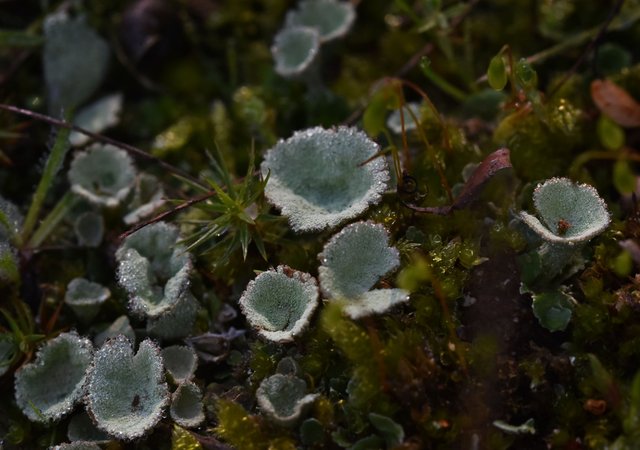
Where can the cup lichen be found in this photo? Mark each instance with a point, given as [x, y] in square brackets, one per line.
[49, 387]
[320, 178]
[126, 391]
[279, 303]
[154, 269]
[352, 262]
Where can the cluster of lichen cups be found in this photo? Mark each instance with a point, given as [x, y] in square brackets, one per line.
[297, 46]
[571, 214]
[125, 393]
[319, 179]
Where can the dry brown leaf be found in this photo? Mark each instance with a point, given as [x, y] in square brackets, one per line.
[616, 103]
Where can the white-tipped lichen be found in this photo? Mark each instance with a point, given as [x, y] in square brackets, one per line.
[104, 175]
[320, 178]
[180, 362]
[126, 392]
[85, 297]
[352, 262]
[295, 49]
[153, 269]
[333, 19]
[279, 303]
[48, 388]
[186, 405]
[570, 213]
[284, 399]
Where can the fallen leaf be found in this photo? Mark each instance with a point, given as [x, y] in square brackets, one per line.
[616, 103]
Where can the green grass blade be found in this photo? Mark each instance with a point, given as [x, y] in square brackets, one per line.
[52, 219]
[56, 158]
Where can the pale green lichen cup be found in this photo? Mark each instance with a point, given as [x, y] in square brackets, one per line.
[279, 303]
[320, 178]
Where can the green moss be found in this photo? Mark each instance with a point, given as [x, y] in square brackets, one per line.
[536, 153]
[195, 78]
[365, 385]
[264, 358]
[238, 427]
[182, 439]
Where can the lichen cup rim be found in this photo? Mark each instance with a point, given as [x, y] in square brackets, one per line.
[320, 178]
[283, 39]
[339, 250]
[338, 30]
[76, 346]
[104, 384]
[139, 255]
[586, 214]
[265, 399]
[123, 178]
[255, 300]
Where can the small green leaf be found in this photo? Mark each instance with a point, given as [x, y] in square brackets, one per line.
[312, 432]
[497, 73]
[552, 309]
[375, 116]
[392, 432]
[623, 177]
[526, 75]
[610, 134]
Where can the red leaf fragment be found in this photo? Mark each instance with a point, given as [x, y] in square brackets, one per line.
[616, 103]
[492, 164]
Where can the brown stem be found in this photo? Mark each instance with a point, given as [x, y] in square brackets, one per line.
[589, 48]
[99, 137]
[170, 212]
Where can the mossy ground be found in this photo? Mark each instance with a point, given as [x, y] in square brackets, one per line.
[465, 362]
